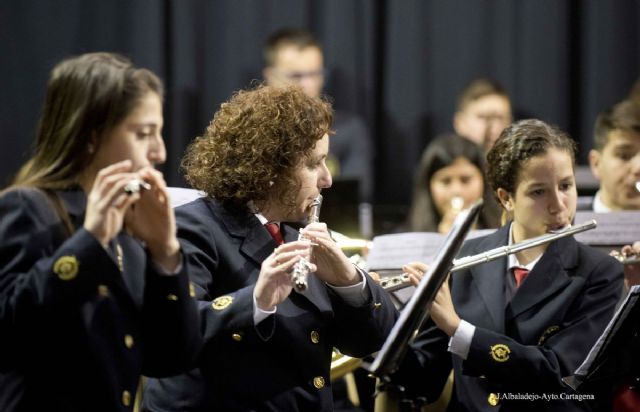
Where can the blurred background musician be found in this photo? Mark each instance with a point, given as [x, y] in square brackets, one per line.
[295, 56]
[615, 157]
[262, 161]
[449, 178]
[483, 111]
[615, 162]
[92, 289]
[518, 324]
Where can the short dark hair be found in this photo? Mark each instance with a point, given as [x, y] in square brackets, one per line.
[477, 89]
[442, 152]
[517, 144]
[624, 115]
[299, 38]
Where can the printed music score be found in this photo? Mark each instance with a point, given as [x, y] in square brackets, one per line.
[614, 228]
[395, 250]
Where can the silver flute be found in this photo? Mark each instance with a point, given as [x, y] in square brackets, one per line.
[302, 267]
[401, 281]
[135, 186]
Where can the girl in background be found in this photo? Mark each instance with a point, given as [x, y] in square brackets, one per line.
[450, 177]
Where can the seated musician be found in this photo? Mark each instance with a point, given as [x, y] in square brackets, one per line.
[448, 179]
[615, 161]
[511, 329]
[267, 347]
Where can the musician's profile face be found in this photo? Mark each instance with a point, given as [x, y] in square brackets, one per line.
[138, 137]
[617, 167]
[313, 175]
[545, 195]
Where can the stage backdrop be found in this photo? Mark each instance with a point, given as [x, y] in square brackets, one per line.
[398, 63]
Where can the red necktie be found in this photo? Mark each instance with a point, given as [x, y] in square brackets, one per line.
[520, 274]
[274, 231]
[626, 398]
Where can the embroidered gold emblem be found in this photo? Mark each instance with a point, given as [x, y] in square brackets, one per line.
[66, 267]
[500, 352]
[222, 302]
[192, 290]
[551, 330]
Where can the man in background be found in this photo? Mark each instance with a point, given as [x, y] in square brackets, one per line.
[483, 112]
[615, 157]
[295, 56]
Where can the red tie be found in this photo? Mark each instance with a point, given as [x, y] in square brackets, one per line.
[274, 231]
[520, 274]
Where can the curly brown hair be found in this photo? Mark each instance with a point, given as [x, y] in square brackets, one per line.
[254, 143]
[516, 145]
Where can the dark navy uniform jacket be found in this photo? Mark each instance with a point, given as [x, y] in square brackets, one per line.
[75, 331]
[523, 348]
[283, 363]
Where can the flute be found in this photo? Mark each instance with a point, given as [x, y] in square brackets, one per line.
[301, 269]
[401, 281]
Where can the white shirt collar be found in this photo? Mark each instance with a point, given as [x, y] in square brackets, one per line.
[264, 220]
[512, 260]
[598, 206]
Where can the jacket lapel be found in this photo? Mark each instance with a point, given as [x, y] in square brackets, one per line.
[548, 276]
[488, 277]
[131, 280]
[257, 243]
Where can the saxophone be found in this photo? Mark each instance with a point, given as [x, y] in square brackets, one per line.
[301, 268]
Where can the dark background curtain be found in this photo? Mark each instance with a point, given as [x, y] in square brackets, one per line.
[398, 63]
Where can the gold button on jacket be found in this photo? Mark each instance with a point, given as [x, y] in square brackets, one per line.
[318, 382]
[128, 341]
[315, 336]
[126, 398]
[493, 399]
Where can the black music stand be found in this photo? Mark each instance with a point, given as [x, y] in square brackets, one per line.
[614, 354]
[416, 310]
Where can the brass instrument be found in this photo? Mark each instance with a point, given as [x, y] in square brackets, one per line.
[342, 365]
[301, 269]
[397, 280]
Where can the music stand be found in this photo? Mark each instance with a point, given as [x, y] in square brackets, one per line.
[613, 353]
[417, 308]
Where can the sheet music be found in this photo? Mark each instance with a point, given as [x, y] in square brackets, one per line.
[610, 331]
[395, 250]
[614, 228]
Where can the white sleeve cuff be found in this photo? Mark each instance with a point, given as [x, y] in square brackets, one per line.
[460, 342]
[354, 295]
[163, 272]
[258, 314]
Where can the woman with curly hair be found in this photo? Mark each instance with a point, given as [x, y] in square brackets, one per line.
[267, 347]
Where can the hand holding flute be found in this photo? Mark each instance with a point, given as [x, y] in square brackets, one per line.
[629, 256]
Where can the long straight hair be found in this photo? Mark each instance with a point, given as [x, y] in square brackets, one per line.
[443, 152]
[87, 96]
